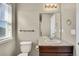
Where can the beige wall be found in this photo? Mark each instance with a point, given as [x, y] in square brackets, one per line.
[77, 29]
[68, 12]
[28, 19]
[7, 48]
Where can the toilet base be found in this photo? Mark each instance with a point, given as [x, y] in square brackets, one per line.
[23, 54]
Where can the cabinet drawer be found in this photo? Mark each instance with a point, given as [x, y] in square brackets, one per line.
[56, 48]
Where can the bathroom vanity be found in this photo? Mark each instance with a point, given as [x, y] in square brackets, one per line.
[48, 47]
[52, 48]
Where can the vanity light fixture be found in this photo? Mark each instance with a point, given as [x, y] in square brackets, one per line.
[50, 5]
[54, 7]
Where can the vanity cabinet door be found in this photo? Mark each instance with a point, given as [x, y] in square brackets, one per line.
[55, 50]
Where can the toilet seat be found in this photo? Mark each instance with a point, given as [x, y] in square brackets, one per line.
[23, 54]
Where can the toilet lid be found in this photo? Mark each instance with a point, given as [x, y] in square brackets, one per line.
[23, 54]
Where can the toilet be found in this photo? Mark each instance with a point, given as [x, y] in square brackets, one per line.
[25, 48]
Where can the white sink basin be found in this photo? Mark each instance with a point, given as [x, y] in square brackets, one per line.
[54, 41]
[48, 40]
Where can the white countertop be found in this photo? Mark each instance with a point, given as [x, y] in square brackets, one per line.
[55, 42]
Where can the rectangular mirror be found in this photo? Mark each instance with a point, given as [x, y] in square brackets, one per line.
[50, 25]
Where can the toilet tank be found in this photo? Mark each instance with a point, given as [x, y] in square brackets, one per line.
[25, 46]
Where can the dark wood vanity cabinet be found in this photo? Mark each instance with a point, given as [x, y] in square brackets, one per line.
[56, 50]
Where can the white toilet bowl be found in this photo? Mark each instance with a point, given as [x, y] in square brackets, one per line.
[25, 48]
